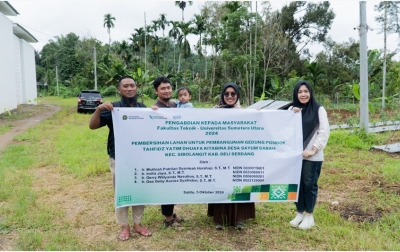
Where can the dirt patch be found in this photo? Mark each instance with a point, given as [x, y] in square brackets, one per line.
[356, 213]
[339, 116]
[22, 118]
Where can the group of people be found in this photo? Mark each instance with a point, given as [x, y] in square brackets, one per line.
[315, 128]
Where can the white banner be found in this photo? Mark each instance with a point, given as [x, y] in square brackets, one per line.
[189, 156]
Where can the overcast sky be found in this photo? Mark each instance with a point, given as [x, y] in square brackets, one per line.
[45, 19]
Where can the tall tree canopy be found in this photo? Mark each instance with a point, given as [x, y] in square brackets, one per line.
[313, 26]
[108, 22]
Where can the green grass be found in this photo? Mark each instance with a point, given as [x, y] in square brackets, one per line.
[5, 128]
[56, 194]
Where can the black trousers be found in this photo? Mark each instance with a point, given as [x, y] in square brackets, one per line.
[167, 210]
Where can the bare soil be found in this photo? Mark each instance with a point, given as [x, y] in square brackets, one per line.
[339, 116]
[22, 118]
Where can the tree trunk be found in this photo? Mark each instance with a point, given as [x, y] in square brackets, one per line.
[255, 52]
[251, 91]
[213, 73]
[205, 58]
[174, 55]
[179, 66]
[109, 41]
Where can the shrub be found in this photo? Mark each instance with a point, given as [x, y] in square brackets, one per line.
[109, 91]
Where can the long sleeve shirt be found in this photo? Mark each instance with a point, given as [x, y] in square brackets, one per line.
[320, 137]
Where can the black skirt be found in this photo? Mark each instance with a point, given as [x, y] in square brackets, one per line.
[228, 214]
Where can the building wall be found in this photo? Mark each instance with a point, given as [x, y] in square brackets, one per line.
[17, 69]
[28, 70]
[8, 100]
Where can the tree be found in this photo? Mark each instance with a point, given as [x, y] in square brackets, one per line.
[114, 72]
[182, 6]
[390, 24]
[108, 22]
[200, 27]
[134, 46]
[155, 49]
[174, 33]
[68, 62]
[273, 48]
[155, 26]
[313, 26]
[124, 52]
[183, 42]
[213, 12]
[163, 23]
[315, 72]
[138, 41]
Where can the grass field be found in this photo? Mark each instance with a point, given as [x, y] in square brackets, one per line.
[56, 194]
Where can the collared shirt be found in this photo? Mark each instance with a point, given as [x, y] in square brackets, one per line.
[162, 105]
[106, 119]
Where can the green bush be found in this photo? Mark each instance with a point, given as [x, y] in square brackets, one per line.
[148, 91]
[109, 91]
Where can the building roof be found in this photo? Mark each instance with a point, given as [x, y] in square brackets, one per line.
[7, 9]
[270, 105]
[21, 33]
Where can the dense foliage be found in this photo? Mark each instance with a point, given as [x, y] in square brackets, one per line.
[263, 51]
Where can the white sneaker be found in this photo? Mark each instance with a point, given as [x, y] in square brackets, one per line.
[307, 222]
[296, 221]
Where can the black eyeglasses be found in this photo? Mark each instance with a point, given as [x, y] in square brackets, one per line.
[233, 94]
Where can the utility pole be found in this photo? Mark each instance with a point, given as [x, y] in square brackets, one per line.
[364, 119]
[145, 42]
[384, 56]
[95, 72]
[58, 92]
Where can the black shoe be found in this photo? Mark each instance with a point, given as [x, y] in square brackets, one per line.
[219, 226]
[239, 225]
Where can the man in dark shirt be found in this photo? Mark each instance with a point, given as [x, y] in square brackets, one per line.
[163, 89]
[101, 117]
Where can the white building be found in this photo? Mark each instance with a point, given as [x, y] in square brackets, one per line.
[17, 62]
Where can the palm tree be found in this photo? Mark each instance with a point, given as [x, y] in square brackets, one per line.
[163, 22]
[316, 71]
[135, 45]
[182, 6]
[155, 26]
[155, 49]
[174, 33]
[200, 27]
[148, 31]
[184, 44]
[108, 22]
[138, 40]
[123, 52]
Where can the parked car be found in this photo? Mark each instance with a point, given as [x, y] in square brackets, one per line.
[88, 100]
